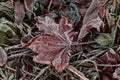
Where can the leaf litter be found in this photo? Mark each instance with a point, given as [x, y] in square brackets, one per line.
[59, 39]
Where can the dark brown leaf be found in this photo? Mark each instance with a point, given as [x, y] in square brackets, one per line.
[44, 2]
[47, 25]
[105, 77]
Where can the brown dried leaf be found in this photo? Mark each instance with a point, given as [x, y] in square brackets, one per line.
[92, 19]
[3, 57]
[53, 44]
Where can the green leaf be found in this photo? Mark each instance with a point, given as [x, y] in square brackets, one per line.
[104, 39]
[6, 9]
[112, 19]
[7, 28]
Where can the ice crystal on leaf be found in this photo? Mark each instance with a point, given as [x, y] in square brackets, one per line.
[92, 18]
[54, 42]
[3, 56]
[19, 14]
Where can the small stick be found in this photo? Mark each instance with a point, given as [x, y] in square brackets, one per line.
[41, 72]
[75, 71]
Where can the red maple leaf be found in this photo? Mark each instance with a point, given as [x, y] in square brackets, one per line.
[92, 18]
[53, 44]
[110, 58]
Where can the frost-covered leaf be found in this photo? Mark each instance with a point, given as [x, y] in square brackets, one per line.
[116, 74]
[6, 10]
[47, 25]
[104, 39]
[92, 19]
[6, 28]
[109, 58]
[3, 56]
[110, 19]
[6, 25]
[19, 14]
[53, 44]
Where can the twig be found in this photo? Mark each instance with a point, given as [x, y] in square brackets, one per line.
[49, 5]
[18, 51]
[1, 44]
[82, 43]
[75, 71]
[41, 72]
[10, 68]
[12, 47]
[18, 55]
[76, 43]
[93, 57]
[115, 65]
[87, 60]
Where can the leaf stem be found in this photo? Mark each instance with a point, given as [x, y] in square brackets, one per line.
[82, 43]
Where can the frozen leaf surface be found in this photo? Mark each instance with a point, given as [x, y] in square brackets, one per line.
[3, 57]
[110, 58]
[53, 44]
[19, 14]
[104, 40]
[92, 19]
[116, 74]
[47, 25]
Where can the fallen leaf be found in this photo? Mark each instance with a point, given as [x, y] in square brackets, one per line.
[53, 44]
[109, 58]
[91, 19]
[46, 25]
[105, 77]
[104, 40]
[19, 14]
[3, 56]
[7, 28]
[116, 74]
[6, 9]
